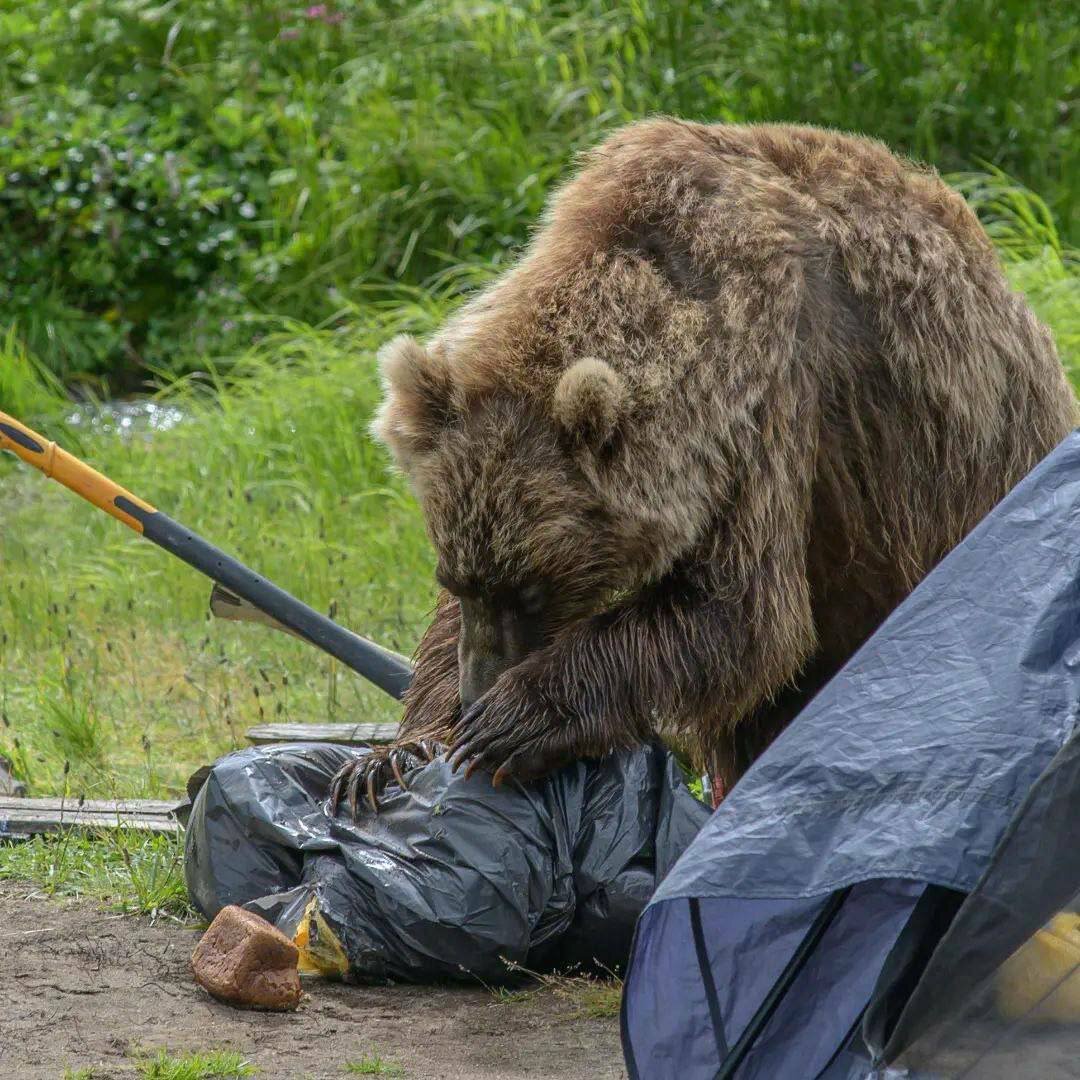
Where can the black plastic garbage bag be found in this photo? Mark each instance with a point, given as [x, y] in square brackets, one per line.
[452, 878]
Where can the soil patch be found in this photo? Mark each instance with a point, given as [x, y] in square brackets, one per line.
[80, 987]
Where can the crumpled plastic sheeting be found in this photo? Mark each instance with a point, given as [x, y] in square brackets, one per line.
[452, 877]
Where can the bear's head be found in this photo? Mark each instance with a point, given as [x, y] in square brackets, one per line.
[511, 488]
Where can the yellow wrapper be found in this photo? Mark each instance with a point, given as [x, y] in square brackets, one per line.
[321, 952]
[1044, 974]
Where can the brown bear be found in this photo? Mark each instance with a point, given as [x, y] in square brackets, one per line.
[744, 389]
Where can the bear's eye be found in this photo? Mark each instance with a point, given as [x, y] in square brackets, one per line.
[452, 585]
[532, 598]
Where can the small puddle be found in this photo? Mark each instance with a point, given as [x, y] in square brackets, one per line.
[126, 418]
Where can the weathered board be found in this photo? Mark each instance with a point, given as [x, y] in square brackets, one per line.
[20, 817]
[350, 734]
[25, 817]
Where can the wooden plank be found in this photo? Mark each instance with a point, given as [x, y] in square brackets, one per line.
[348, 734]
[154, 807]
[21, 817]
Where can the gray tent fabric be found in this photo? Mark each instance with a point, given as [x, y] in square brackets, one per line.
[901, 776]
[950, 1023]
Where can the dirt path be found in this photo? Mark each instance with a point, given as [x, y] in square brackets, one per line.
[82, 988]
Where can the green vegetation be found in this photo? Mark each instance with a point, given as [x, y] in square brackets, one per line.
[504, 995]
[214, 1065]
[129, 871]
[1038, 261]
[597, 999]
[587, 996]
[171, 173]
[374, 1065]
[106, 655]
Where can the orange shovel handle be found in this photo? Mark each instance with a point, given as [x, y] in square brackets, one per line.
[58, 464]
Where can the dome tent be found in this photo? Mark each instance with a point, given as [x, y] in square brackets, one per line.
[855, 907]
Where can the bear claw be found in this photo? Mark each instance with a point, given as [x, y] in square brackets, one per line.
[495, 734]
[371, 772]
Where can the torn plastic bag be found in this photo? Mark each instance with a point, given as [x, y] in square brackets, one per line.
[452, 878]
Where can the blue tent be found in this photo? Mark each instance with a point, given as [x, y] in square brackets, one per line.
[853, 908]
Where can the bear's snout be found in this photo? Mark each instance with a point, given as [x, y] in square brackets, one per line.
[493, 639]
[477, 677]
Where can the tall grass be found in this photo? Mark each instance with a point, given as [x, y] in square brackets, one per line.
[107, 660]
[335, 149]
[131, 872]
[1038, 261]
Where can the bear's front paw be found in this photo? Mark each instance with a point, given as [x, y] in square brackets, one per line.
[512, 731]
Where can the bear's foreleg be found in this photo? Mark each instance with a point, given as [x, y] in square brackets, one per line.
[678, 652]
[432, 703]
[431, 708]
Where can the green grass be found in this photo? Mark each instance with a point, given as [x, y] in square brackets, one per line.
[212, 1065]
[126, 870]
[1039, 262]
[292, 163]
[504, 995]
[374, 1065]
[596, 999]
[588, 996]
[108, 665]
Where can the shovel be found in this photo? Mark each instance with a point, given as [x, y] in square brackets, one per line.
[239, 593]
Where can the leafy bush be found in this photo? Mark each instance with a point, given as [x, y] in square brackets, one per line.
[166, 170]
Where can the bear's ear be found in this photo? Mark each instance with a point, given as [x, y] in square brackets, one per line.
[417, 402]
[590, 399]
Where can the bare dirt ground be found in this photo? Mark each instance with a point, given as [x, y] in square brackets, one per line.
[79, 987]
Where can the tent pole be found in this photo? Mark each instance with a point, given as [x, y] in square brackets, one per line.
[782, 985]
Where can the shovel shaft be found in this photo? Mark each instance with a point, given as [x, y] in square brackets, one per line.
[387, 670]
